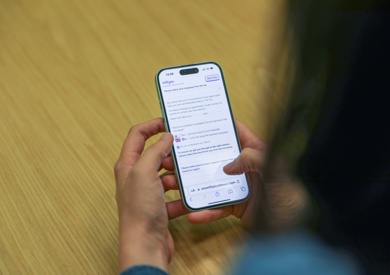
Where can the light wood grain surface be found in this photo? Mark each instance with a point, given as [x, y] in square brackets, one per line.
[75, 75]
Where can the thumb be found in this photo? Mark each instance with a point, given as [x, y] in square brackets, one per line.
[250, 160]
[154, 155]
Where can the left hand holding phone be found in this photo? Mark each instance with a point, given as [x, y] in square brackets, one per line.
[143, 217]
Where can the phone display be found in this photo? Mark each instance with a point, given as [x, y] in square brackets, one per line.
[196, 110]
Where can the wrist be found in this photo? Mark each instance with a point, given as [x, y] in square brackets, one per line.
[140, 246]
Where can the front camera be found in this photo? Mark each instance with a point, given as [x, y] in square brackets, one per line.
[189, 71]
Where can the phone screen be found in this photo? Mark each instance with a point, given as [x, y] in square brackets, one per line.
[196, 111]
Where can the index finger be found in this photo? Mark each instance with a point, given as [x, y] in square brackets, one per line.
[135, 142]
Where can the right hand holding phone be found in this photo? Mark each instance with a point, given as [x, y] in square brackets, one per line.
[288, 198]
[250, 161]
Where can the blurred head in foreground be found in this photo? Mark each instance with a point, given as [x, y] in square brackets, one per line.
[333, 133]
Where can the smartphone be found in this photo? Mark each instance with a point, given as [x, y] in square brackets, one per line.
[196, 110]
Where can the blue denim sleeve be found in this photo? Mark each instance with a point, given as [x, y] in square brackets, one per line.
[143, 270]
[294, 253]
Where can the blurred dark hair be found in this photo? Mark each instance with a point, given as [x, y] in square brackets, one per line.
[333, 133]
[321, 36]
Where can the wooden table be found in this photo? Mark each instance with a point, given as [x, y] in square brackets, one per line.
[75, 75]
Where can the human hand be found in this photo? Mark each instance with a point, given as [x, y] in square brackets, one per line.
[286, 198]
[143, 217]
[250, 161]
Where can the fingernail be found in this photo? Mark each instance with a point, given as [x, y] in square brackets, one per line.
[165, 136]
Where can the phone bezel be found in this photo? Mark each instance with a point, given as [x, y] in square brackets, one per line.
[165, 118]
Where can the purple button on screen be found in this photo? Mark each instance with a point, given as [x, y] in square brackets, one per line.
[213, 77]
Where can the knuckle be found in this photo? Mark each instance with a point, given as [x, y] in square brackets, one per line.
[134, 128]
[245, 155]
[251, 159]
[118, 168]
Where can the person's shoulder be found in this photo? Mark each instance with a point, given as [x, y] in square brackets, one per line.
[295, 252]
